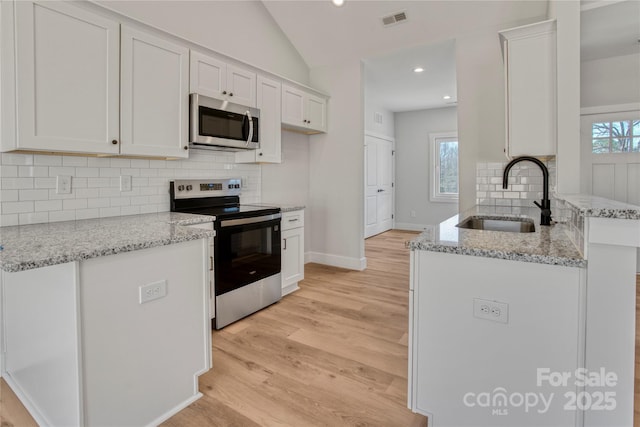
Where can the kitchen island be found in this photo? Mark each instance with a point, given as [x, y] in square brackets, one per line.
[105, 321]
[504, 326]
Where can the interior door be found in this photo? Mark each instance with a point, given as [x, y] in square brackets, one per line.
[378, 185]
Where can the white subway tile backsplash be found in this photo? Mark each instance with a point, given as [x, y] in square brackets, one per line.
[48, 205]
[11, 219]
[17, 159]
[8, 171]
[74, 161]
[33, 217]
[9, 195]
[62, 216]
[33, 171]
[28, 184]
[16, 183]
[42, 160]
[41, 194]
[17, 207]
[525, 186]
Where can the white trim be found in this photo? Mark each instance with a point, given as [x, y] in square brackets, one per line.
[350, 263]
[434, 195]
[606, 109]
[179, 407]
[380, 136]
[596, 4]
[27, 402]
[413, 227]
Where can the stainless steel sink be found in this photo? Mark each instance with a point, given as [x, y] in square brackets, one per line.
[513, 225]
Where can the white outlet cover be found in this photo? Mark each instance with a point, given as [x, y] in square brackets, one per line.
[496, 311]
[125, 182]
[63, 184]
[153, 291]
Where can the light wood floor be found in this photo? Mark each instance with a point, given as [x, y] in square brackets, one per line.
[333, 353]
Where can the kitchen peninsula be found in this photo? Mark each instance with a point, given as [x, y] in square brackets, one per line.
[493, 313]
[105, 321]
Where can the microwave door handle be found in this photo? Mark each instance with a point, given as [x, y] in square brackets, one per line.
[250, 137]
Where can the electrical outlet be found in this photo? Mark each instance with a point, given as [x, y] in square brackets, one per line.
[125, 182]
[63, 184]
[491, 310]
[153, 291]
[412, 214]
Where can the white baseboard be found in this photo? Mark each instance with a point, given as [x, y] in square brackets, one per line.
[412, 227]
[336, 260]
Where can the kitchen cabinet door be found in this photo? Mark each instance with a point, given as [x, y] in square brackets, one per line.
[302, 111]
[292, 250]
[316, 113]
[270, 104]
[530, 82]
[155, 96]
[67, 76]
[215, 78]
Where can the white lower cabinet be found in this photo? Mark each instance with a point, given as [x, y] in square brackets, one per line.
[82, 349]
[292, 250]
[469, 370]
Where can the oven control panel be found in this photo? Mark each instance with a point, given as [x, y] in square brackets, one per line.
[193, 188]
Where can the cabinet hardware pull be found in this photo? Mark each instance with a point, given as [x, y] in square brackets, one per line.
[230, 93]
[285, 245]
[114, 142]
[186, 147]
[224, 92]
[210, 263]
[293, 219]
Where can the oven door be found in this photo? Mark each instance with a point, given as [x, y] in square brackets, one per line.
[247, 250]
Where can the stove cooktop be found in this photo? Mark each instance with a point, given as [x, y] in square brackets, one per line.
[218, 197]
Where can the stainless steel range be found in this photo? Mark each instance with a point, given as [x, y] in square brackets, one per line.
[247, 253]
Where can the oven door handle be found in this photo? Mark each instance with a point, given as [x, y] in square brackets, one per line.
[252, 220]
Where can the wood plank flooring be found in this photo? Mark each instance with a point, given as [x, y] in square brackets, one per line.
[333, 353]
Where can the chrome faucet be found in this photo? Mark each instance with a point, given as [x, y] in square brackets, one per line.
[545, 203]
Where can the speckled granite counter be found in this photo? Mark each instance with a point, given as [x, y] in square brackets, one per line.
[283, 208]
[547, 245]
[39, 245]
[592, 206]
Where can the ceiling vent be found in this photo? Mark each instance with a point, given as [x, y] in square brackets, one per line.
[394, 19]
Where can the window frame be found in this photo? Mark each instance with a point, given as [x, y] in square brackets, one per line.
[610, 137]
[434, 193]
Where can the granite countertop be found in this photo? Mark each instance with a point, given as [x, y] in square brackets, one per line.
[283, 208]
[547, 245]
[599, 207]
[39, 245]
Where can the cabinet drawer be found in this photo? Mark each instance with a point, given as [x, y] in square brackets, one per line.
[293, 219]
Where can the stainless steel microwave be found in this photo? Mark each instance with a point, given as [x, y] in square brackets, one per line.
[222, 125]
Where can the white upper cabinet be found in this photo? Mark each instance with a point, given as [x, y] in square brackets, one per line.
[67, 75]
[269, 102]
[303, 111]
[155, 96]
[530, 86]
[217, 79]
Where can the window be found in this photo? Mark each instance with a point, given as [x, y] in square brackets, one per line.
[444, 167]
[615, 137]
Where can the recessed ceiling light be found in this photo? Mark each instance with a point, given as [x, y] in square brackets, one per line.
[338, 2]
[446, 97]
[418, 70]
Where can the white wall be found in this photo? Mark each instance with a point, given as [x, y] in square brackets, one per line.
[337, 170]
[610, 81]
[413, 161]
[481, 107]
[567, 15]
[243, 30]
[374, 105]
[287, 183]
